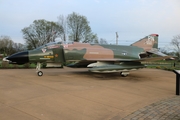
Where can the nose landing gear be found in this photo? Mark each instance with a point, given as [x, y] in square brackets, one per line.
[38, 69]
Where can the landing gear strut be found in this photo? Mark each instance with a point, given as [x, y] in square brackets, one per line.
[38, 69]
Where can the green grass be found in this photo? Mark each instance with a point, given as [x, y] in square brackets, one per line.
[14, 66]
[164, 65]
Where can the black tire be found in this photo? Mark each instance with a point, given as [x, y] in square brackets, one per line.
[123, 75]
[40, 73]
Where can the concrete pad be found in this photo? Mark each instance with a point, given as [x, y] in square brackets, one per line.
[77, 94]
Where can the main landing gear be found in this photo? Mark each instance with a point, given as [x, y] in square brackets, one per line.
[38, 69]
[124, 74]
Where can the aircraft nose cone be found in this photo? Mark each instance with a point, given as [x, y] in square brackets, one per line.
[19, 58]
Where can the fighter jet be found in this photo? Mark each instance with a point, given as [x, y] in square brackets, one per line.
[98, 58]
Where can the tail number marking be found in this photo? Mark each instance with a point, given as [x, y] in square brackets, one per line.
[150, 40]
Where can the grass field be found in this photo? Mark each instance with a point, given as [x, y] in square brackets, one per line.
[165, 65]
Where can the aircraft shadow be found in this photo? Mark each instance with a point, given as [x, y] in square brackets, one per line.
[133, 77]
[111, 76]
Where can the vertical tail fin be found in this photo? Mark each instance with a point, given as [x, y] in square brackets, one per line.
[148, 42]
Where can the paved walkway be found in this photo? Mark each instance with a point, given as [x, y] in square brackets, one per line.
[168, 109]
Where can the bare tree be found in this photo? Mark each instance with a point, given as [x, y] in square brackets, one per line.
[40, 33]
[62, 22]
[19, 47]
[90, 38]
[103, 41]
[79, 29]
[8, 47]
[176, 43]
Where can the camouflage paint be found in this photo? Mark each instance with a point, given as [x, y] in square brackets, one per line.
[43, 54]
[93, 52]
[124, 52]
[85, 51]
[103, 58]
[148, 42]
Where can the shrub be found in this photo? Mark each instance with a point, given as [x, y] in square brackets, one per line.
[4, 64]
[158, 67]
[27, 65]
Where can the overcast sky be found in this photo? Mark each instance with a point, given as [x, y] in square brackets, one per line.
[132, 19]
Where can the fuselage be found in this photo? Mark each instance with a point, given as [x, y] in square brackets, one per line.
[83, 51]
[60, 53]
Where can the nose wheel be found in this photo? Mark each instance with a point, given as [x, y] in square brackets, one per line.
[38, 69]
[40, 73]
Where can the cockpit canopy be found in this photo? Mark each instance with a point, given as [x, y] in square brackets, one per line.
[50, 45]
[53, 45]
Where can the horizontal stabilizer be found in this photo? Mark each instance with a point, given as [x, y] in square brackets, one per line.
[156, 52]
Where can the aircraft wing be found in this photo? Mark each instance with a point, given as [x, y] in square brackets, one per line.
[118, 64]
[114, 65]
[153, 58]
[155, 51]
[107, 67]
[86, 63]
